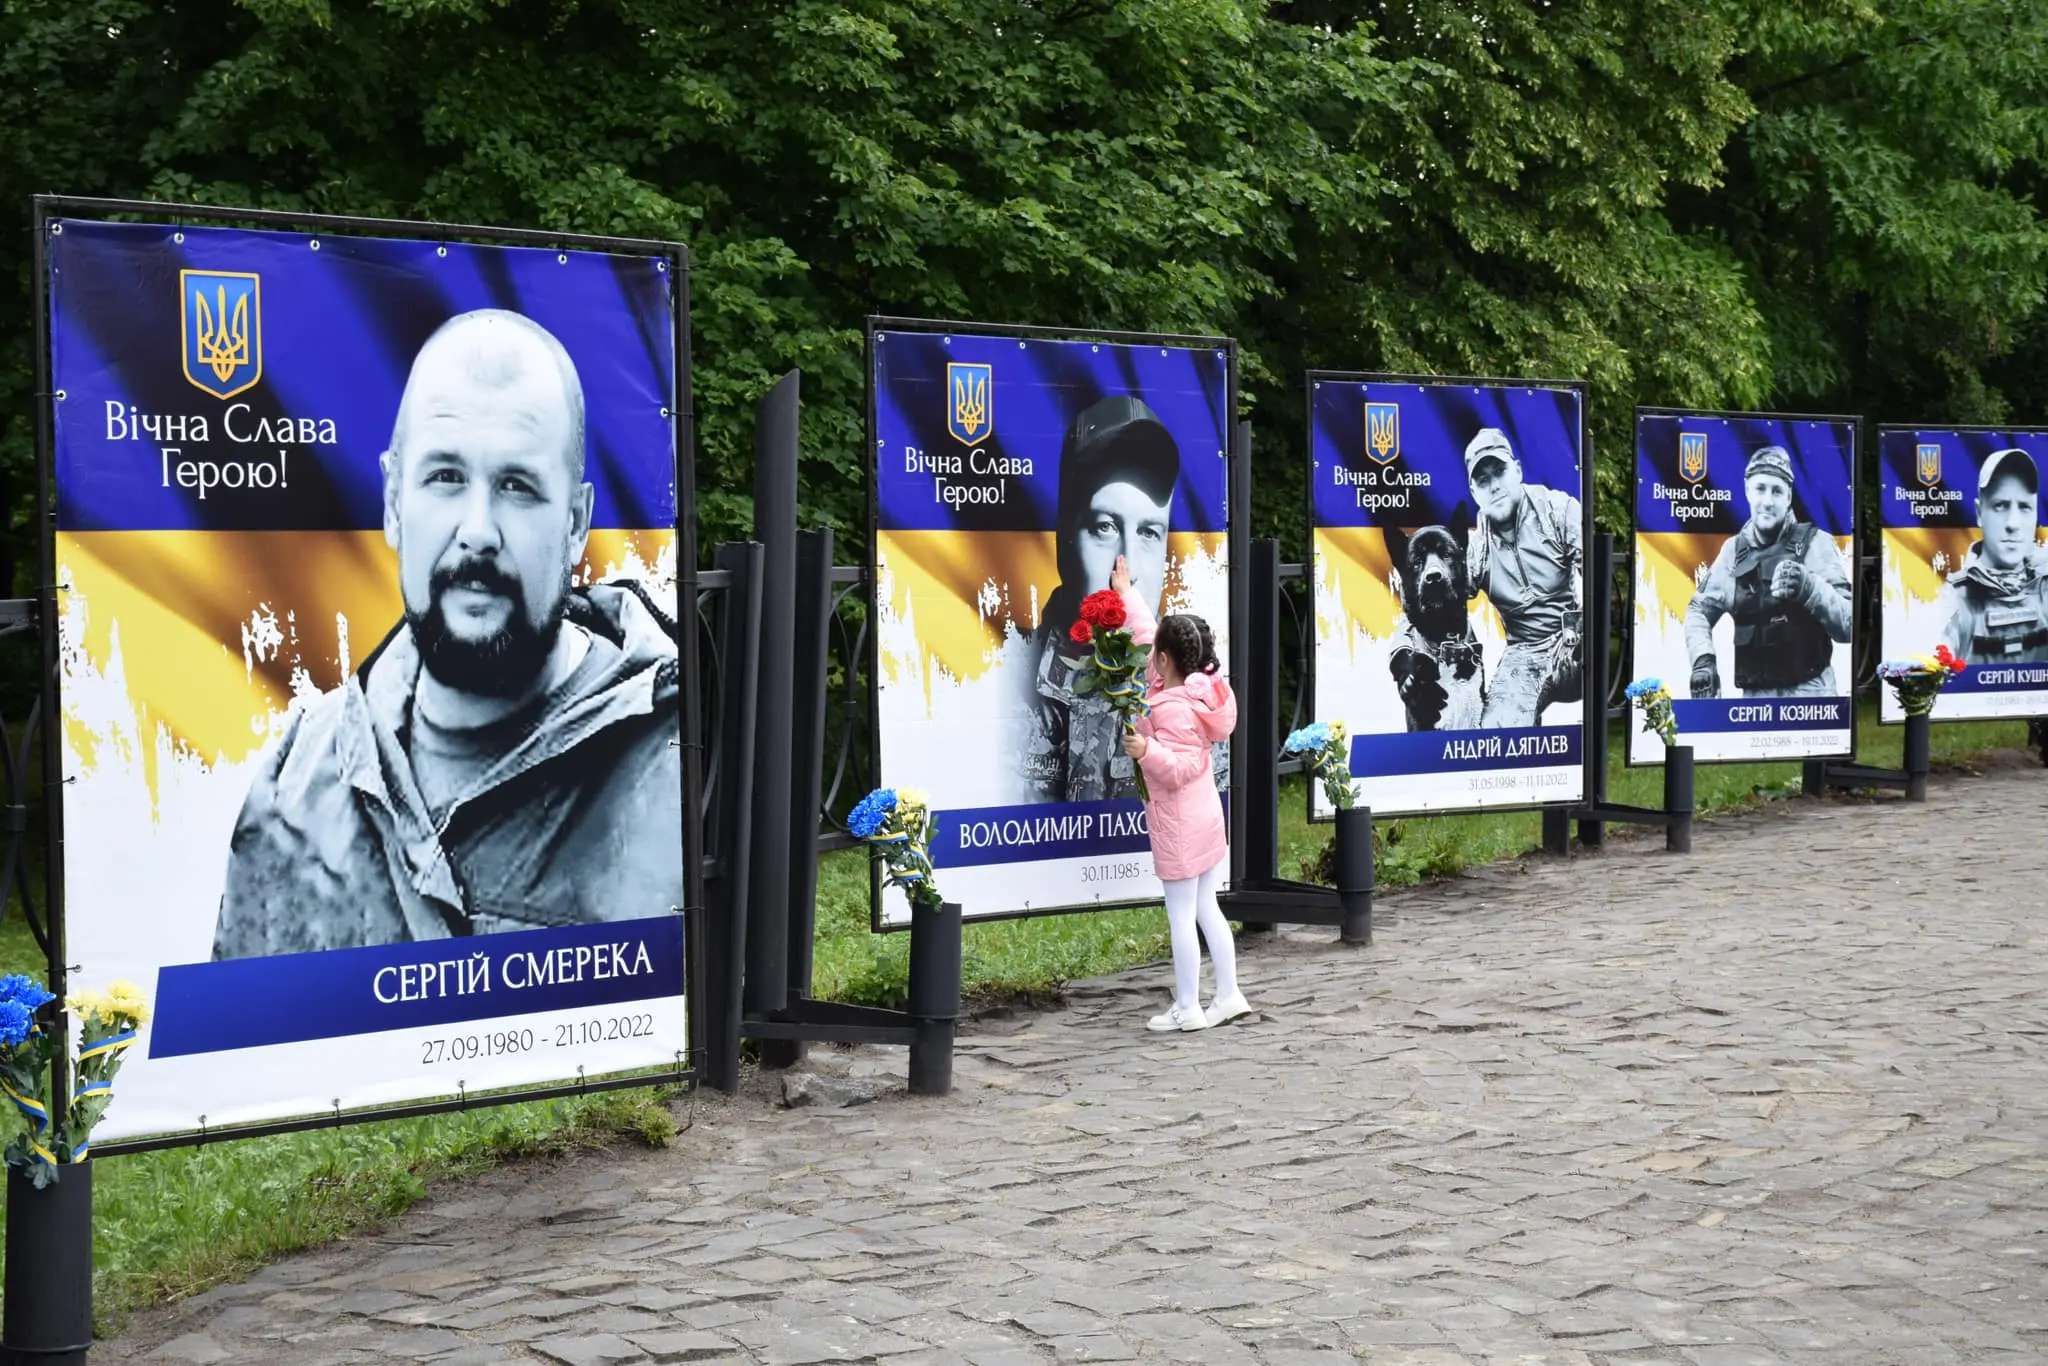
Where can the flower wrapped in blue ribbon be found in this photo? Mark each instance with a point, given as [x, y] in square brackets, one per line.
[897, 825]
[1655, 699]
[1321, 746]
[41, 1144]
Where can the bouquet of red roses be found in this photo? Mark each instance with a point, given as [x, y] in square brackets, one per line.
[1114, 669]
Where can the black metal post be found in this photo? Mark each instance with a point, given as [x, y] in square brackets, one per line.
[1597, 671]
[1245, 742]
[1919, 757]
[1557, 830]
[48, 1315]
[732, 796]
[775, 486]
[934, 1006]
[1355, 874]
[1678, 798]
[1813, 778]
[813, 635]
[1258, 781]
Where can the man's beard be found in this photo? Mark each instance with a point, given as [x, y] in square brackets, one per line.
[502, 664]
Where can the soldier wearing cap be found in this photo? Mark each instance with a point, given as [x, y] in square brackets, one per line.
[1787, 587]
[1118, 469]
[1998, 600]
[1525, 556]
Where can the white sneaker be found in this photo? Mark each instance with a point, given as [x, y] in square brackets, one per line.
[1178, 1018]
[1227, 1008]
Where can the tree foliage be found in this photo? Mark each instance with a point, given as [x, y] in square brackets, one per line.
[1716, 202]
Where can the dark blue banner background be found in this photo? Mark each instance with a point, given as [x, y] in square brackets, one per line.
[1437, 421]
[1823, 460]
[1039, 388]
[339, 327]
[1962, 455]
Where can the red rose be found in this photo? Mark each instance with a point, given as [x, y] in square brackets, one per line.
[1081, 633]
[1103, 610]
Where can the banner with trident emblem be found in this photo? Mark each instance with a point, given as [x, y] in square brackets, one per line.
[1012, 470]
[1449, 528]
[1743, 605]
[371, 698]
[1965, 564]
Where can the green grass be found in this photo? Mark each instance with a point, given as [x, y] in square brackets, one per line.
[173, 1223]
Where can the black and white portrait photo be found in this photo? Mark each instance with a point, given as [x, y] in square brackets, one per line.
[1785, 584]
[507, 758]
[1998, 597]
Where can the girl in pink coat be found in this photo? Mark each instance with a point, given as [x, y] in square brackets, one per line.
[1192, 709]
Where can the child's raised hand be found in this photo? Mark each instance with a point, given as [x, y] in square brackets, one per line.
[1120, 575]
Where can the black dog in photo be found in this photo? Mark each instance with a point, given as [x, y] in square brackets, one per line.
[1436, 659]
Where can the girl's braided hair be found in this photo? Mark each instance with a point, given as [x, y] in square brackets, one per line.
[1186, 639]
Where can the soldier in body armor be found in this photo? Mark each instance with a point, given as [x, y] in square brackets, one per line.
[1786, 585]
[1998, 600]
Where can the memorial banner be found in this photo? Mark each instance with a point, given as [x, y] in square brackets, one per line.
[1012, 471]
[1449, 540]
[369, 682]
[1963, 565]
[1744, 573]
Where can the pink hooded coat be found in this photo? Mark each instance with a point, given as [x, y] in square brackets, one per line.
[1189, 835]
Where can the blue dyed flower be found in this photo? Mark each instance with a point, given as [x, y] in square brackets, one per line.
[16, 1023]
[872, 813]
[1643, 687]
[23, 991]
[1309, 739]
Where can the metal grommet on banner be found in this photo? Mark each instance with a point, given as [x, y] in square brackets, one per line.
[56, 229]
[441, 250]
[661, 266]
[562, 259]
[314, 244]
[177, 237]
[60, 396]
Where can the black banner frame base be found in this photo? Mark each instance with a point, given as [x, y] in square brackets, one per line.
[927, 1023]
[1818, 776]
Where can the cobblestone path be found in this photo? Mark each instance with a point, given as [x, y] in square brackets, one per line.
[1784, 1100]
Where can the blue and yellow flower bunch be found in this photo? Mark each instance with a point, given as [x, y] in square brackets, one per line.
[897, 824]
[1658, 717]
[108, 1021]
[1321, 745]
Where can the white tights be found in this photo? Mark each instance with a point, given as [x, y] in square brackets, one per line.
[1190, 902]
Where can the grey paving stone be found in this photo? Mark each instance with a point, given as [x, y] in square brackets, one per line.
[597, 1349]
[1776, 1100]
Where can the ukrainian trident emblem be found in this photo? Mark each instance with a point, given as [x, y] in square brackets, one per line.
[221, 313]
[1383, 431]
[968, 414]
[1692, 456]
[1927, 462]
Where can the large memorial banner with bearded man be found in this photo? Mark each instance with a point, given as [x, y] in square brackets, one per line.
[1744, 574]
[1017, 472]
[366, 556]
[1449, 588]
[1964, 564]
